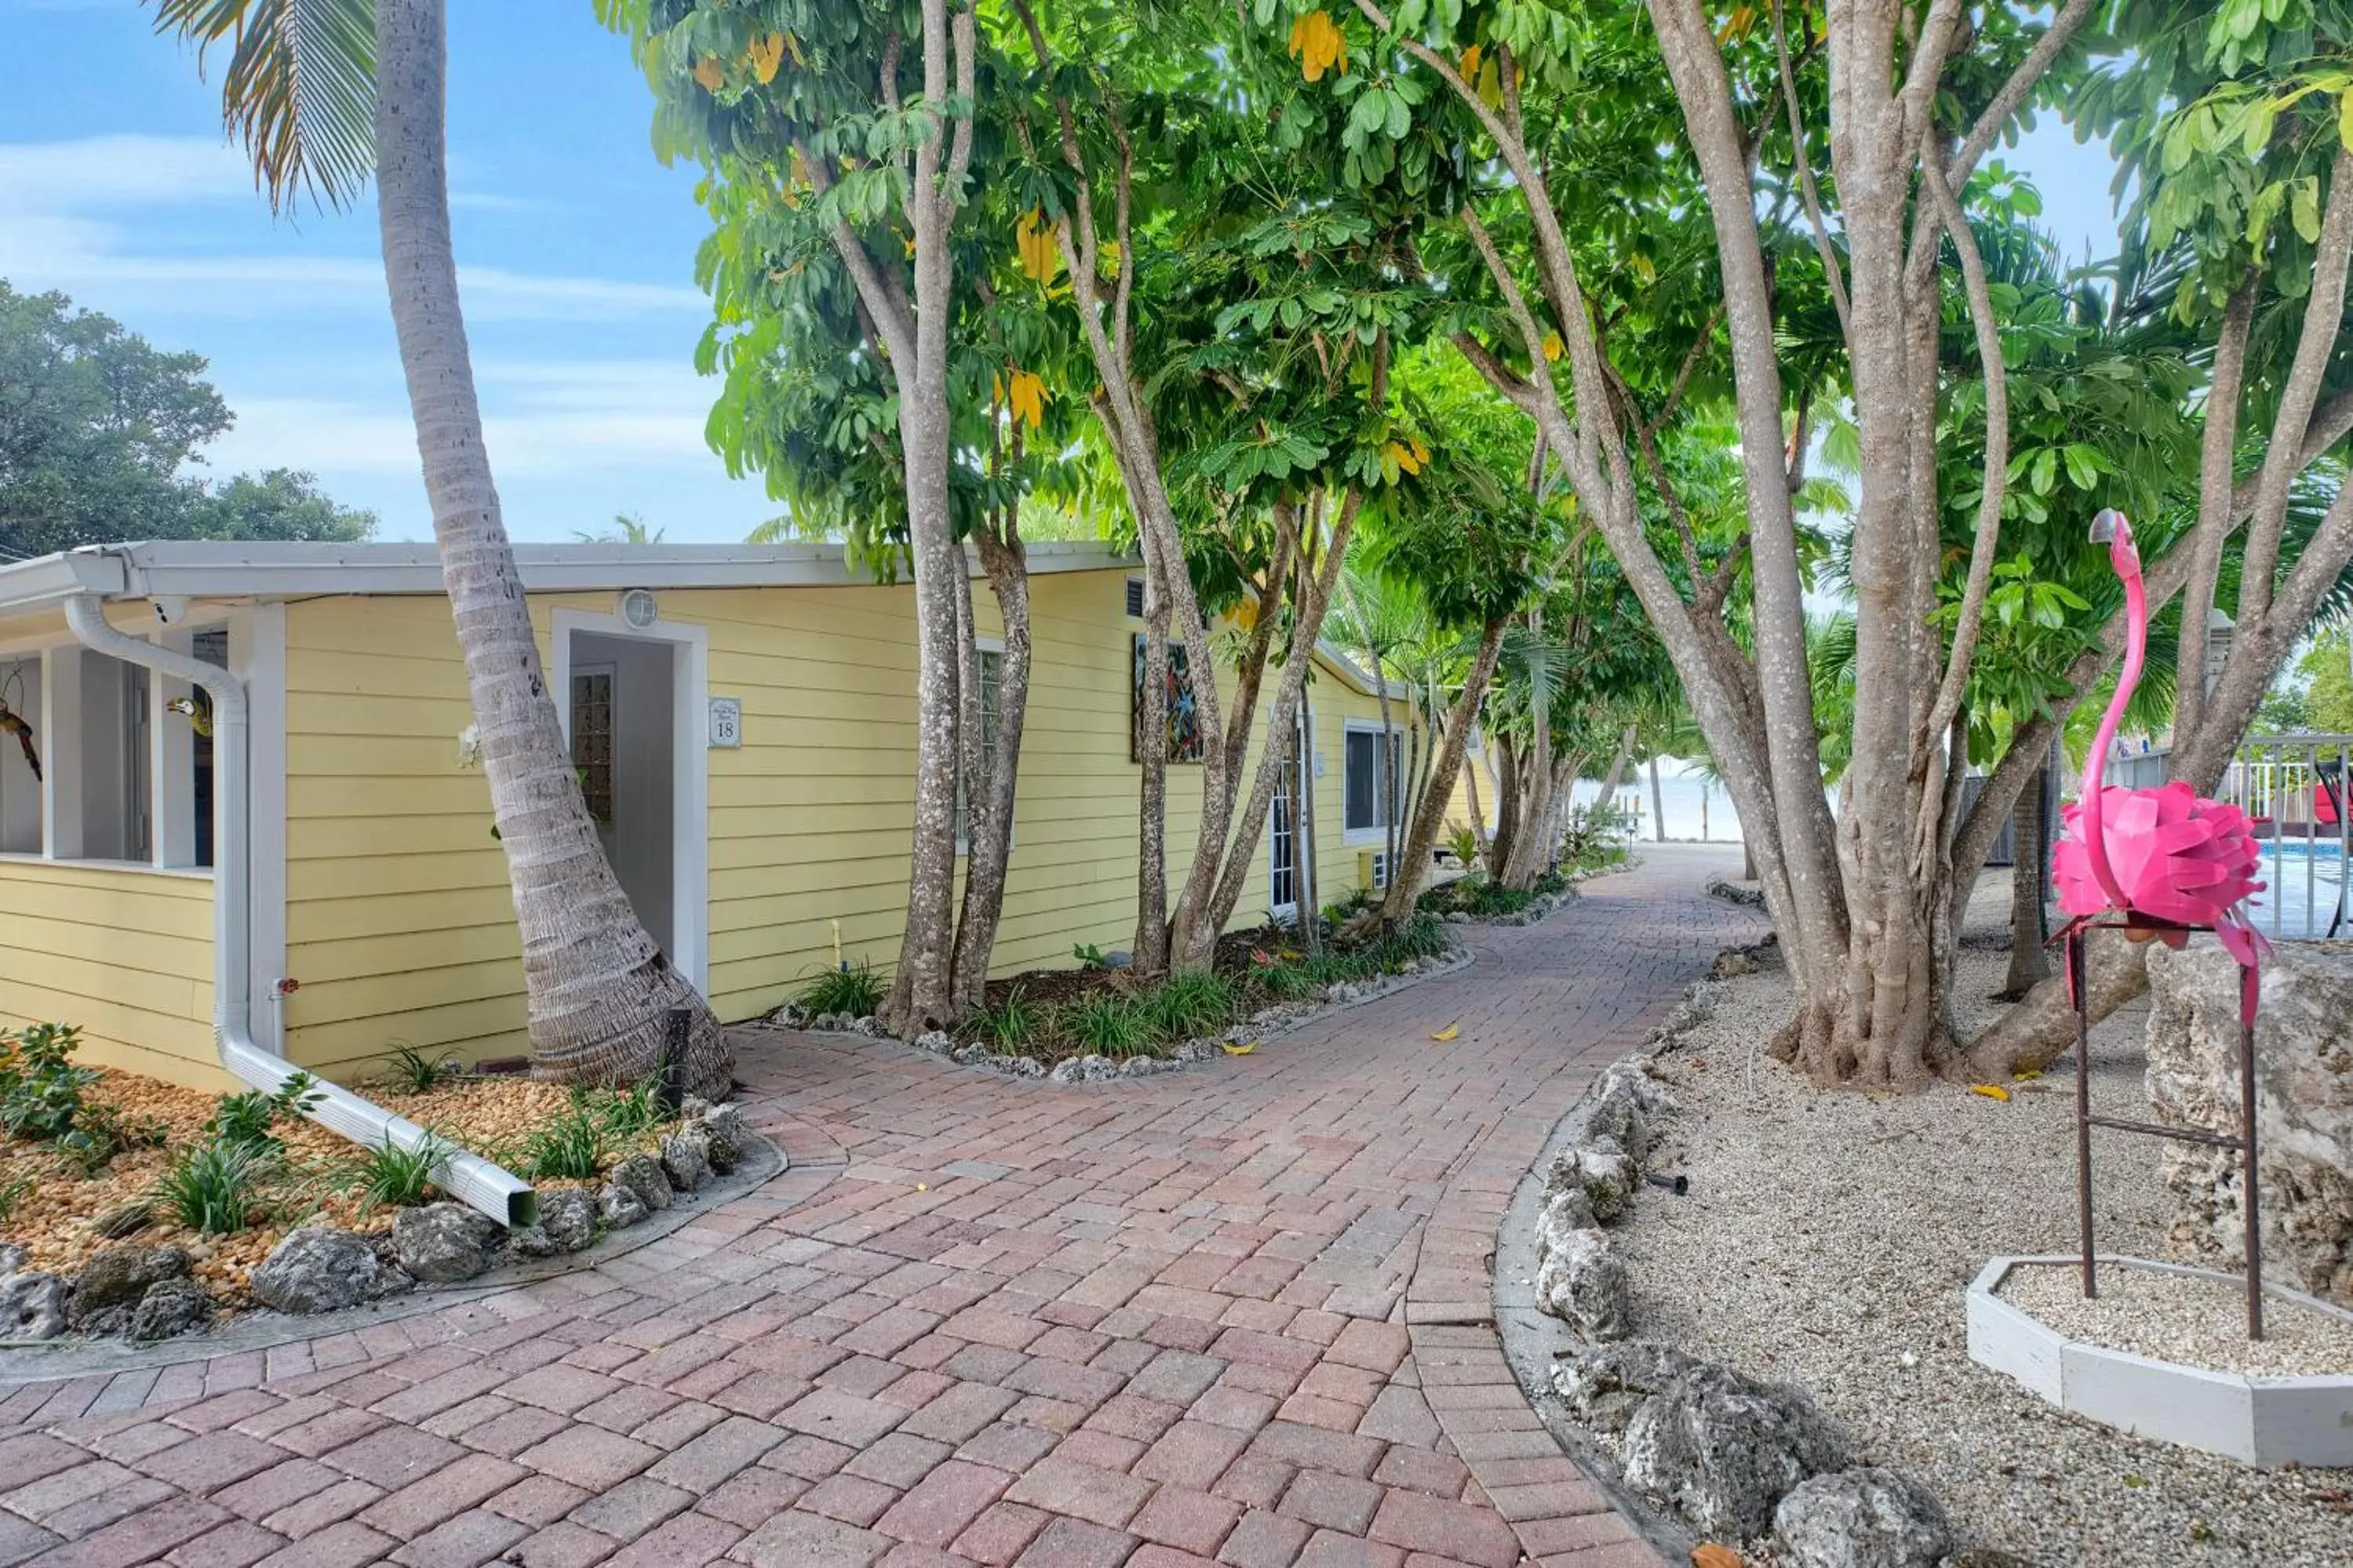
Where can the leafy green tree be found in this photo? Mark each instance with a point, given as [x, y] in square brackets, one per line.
[98, 431]
[2328, 696]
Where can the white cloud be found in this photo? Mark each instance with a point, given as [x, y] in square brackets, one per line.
[63, 199]
[540, 419]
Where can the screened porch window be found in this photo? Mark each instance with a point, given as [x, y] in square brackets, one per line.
[1370, 780]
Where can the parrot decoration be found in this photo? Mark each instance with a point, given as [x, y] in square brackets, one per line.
[197, 710]
[16, 726]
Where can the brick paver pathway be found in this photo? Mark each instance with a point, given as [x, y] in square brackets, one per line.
[1233, 1316]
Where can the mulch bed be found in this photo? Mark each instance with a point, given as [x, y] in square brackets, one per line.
[54, 1218]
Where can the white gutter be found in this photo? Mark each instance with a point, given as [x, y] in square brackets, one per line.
[467, 1177]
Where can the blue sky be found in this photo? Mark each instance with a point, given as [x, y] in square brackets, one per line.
[576, 250]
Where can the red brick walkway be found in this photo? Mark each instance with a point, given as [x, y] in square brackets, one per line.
[1237, 1315]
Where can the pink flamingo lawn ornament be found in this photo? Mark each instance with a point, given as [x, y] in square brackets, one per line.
[2160, 863]
[2162, 859]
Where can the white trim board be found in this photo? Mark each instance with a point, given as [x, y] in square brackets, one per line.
[690, 765]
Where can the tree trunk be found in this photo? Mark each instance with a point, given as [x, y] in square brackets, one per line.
[1311, 893]
[922, 991]
[598, 987]
[1658, 805]
[1470, 789]
[988, 812]
[1507, 811]
[1198, 925]
[1407, 877]
[921, 997]
[2027, 963]
[1152, 807]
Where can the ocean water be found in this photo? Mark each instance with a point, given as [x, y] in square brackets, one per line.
[1695, 808]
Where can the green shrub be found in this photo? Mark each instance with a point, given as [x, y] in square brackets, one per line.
[1421, 934]
[575, 1145]
[1464, 842]
[213, 1188]
[389, 1175]
[1108, 1025]
[1594, 835]
[1189, 1005]
[40, 1087]
[245, 1120]
[1011, 1023]
[414, 1072]
[854, 989]
[1088, 956]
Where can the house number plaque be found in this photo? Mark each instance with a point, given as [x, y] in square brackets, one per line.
[727, 722]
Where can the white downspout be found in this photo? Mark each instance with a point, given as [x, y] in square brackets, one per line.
[468, 1177]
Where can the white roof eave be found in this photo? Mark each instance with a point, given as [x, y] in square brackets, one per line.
[234, 570]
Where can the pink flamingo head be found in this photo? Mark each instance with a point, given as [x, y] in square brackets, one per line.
[2162, 854]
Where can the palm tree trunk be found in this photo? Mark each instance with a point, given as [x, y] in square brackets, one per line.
[1658, 805]
[597, 987]
[1405, 879]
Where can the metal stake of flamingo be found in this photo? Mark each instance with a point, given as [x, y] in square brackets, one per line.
[2158, 863]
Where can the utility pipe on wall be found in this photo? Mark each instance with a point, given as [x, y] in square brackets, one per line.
[467, 1177]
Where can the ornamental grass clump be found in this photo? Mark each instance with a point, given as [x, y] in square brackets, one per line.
[854, 989]
[214, 1188]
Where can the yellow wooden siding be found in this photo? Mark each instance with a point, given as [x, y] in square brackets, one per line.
[399, 926]
[126, 954]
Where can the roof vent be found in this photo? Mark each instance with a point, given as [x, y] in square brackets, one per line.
[639, 610]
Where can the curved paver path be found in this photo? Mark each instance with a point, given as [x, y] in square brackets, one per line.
[1233, 1316]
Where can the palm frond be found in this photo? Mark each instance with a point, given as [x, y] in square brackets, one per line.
[299, 91]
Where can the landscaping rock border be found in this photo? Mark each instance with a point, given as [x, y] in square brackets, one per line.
[327, 1281]
[1687, 1450]
[1736, 892]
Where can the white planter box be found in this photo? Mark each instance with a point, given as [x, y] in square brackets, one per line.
[2264, 1421]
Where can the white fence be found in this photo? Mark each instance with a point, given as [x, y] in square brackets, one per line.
[2293, 788]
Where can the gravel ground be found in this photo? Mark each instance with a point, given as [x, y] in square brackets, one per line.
[2181, 1317]
[1828, 1240]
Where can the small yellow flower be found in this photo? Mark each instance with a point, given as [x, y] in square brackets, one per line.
[1551, 347]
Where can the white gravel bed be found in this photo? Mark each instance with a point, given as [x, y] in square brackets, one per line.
[1828, 1241]
[2182, 1318]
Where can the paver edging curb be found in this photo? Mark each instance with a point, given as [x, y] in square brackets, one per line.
[1533, 1341]
[763, 1161]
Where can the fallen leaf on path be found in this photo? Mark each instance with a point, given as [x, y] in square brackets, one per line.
[1714, 1554]
[2025, 1075]
[1245, 1048]
[1990, 1090]
[1447, 1033]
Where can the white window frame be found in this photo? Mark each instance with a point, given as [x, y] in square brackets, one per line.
[166, 756]
[1378, 835]
[986, 645]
